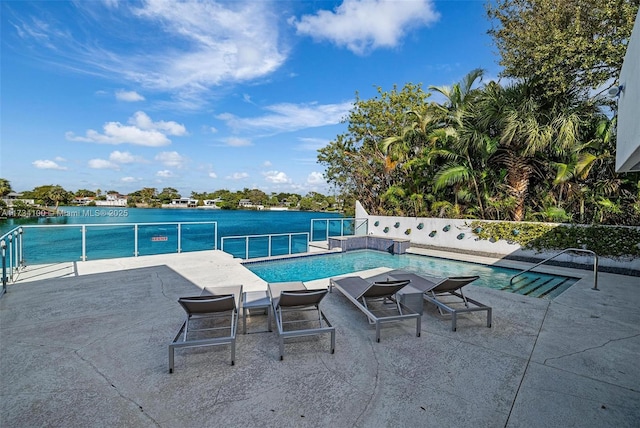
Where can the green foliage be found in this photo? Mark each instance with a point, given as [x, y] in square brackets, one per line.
[84, 193]
[562, 44]
[606, 241]
[168, 194]
[5, 187]
[364, 162]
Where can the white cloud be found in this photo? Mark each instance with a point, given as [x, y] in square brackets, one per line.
[364, 25]
[238, 142]
[316, 178]
[173, 159]
[48, 164]
[291, 117]
[143, 121]
[277, 177]
[196, 45]
[164, 173]
[102, 164]
[122, 157]
[59, 159]
[129, 179]
[213, 175]
[267, 163]
[142, 131]
[238, 176]
[128, 96]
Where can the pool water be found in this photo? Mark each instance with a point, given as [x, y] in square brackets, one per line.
[326, 266]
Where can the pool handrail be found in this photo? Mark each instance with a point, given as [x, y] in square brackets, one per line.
[566, 250]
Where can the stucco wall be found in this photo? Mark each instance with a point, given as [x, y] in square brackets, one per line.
[452, 239]
[628, 128]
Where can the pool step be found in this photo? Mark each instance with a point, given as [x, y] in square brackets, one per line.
[538, 286]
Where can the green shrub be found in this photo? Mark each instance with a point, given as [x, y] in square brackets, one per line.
[606, 241]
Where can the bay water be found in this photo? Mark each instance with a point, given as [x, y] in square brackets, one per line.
[110, 232]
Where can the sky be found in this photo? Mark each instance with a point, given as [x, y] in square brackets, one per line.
[208, 95]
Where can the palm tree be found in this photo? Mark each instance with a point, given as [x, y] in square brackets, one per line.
[5, 187]
[57, 194]
[465, 148]
[527, 131]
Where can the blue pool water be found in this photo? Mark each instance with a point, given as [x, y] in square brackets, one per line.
[325, 266]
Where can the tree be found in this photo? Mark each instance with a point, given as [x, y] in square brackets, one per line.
[148, 195]
[562, 44]
[168, 194]
[57, 195]
[5, 187]
[356, 161]
[466, 148]
[529, 131]
[84, 193]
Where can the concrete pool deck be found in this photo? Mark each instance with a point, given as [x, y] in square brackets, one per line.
[86, 344]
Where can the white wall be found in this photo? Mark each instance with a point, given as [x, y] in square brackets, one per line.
[469, 243]
[628, 127]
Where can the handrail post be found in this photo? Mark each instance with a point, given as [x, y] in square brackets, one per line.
[290, 243]
[215, 235]
[20, 231]
[15, 250]
[327, 230]
[595, 272]
[10, 257]
[84, 243]
[3, 246]
[179, 237]
[269, 247]
[135, 240]
[246, 247]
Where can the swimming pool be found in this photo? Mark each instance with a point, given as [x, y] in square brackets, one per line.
[324, 266]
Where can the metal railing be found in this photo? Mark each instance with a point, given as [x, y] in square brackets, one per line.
[347, 227]
[259, 240]
[11, 249]
[109, 240]
[567, 250]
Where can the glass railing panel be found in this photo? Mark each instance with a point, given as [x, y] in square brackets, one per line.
[108, 242]
[198, 237]
[319, 230]
[280, 245]
[157, 239]
[299, 243]
[52, 244]
[258, 246]
[235, 246]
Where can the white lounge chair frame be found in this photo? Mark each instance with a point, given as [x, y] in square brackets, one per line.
[435, 287]
[295, 297]
[354, 288]
[217, 303]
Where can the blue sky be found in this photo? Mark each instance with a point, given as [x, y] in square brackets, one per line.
[204, 95]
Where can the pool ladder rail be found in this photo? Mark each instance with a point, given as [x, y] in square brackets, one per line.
[567, 250]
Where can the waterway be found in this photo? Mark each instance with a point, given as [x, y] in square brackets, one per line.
[113, 233]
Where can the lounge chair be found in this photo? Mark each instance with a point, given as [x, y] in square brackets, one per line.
[436, 288]
[363, 293]
[212, 305]
[294, 299]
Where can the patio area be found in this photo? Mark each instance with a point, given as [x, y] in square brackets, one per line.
[87, 345]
